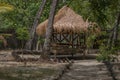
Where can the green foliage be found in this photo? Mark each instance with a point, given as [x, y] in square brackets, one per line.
[23, 14]
[41, 40]
[102, 12]
[90, 40]
[22, 33]
[81, 7]
[107, 54]
[103, 38]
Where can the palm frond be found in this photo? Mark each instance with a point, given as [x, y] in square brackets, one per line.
[5, 8]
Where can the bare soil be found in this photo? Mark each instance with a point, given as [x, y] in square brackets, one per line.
[13, 70]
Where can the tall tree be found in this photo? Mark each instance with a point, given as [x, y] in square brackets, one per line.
[33, 37]
[46, 47]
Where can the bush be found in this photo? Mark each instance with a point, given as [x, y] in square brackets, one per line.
[107, 54]
[22, 34]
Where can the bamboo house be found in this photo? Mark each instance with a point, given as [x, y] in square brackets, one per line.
[69, 30]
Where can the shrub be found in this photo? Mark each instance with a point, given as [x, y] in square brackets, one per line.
[107, 54]
[22, 34]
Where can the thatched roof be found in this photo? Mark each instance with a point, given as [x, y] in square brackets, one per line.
[66, 20]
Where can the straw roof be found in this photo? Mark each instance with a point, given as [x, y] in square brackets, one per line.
[66, 20]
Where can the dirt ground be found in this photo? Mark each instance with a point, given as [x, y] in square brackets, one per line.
[13, 70]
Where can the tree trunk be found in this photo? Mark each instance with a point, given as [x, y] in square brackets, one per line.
[31, 43]
[113, 37]
[46, 47]
[115, 31]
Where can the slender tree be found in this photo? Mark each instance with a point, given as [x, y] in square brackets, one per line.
[46, 47]
[31, 43]
[114, 33]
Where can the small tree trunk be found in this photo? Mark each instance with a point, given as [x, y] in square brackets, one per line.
[115, 31]
[46, 47]
[37, 46]
[113, 37]
[31, 43]
[110, 40]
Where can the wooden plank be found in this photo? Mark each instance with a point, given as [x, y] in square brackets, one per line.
[67, 44]
[27, 52]
[66, 51]
[75, 57]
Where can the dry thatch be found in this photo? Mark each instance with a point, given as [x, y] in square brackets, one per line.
[4, 40]
[41, 29]
[66, 20]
